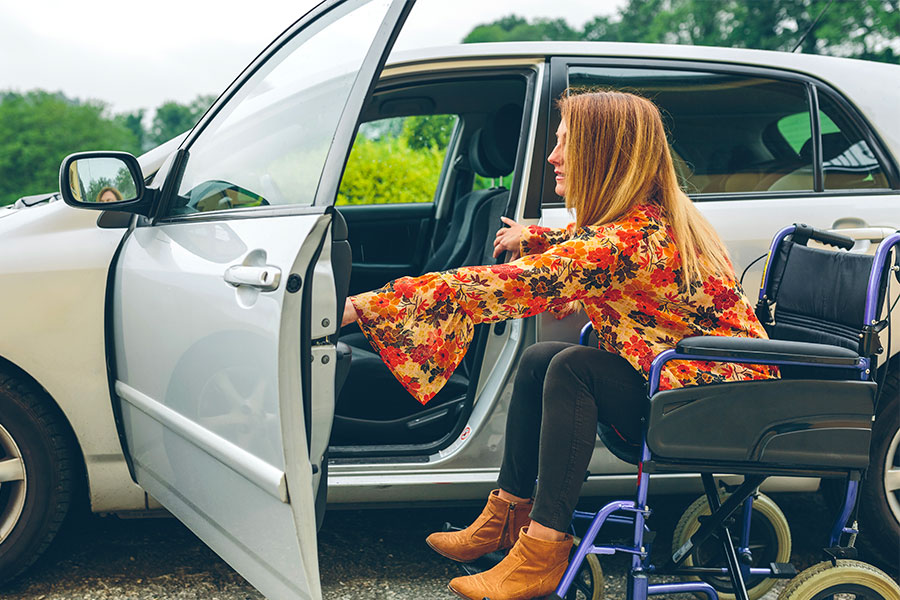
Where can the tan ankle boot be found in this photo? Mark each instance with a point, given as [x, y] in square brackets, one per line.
[532, 569]
[496, 528]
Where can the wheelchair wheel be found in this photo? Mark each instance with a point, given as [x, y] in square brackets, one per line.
[588, 582]
[770, 541]
[847, 580]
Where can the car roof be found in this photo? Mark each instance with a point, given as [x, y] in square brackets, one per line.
[860, 81]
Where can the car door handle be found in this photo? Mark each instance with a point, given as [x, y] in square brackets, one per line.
[265, 278]
[872, 234]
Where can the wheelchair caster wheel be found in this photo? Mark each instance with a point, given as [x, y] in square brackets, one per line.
[588, 582]
[845, 578]
[770, 542]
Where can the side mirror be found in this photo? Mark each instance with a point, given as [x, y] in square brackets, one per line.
[103, 181]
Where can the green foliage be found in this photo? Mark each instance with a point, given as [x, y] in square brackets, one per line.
[513, 28]
[134, 122]
[172, 119]
[428, 131]
[852, 28]
[390, 171]
[38, 129]
[396, 160]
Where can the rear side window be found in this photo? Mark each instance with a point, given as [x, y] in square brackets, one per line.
[732, 133]
[396, 160]
[848, 162]
[727, 132]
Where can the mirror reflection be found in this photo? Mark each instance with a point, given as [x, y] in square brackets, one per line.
[105, 180]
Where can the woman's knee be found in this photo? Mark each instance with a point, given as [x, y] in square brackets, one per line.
[575, 361]
[537, 358]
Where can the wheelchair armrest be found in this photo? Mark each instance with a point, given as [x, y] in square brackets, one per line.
[755, 349]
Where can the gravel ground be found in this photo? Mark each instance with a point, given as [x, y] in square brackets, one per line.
[374, 554]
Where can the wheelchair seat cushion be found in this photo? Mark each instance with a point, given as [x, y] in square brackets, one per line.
[781, 425]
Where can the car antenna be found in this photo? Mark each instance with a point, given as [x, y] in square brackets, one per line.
[814, 23]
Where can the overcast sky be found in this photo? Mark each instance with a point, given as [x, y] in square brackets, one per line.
[131, 57]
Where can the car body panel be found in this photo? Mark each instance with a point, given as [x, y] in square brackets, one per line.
[57, 260]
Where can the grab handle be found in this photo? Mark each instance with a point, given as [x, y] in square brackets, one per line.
[803, 233]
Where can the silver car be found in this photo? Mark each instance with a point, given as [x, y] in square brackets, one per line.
[181, 348]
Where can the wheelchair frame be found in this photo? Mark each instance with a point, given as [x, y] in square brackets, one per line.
[636, 511]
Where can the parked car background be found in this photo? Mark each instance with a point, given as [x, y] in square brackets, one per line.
[102, 312]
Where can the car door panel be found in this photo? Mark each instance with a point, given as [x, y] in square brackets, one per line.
[211, 396]
[388, 241]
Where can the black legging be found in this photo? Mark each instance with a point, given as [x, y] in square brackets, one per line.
[560, 392]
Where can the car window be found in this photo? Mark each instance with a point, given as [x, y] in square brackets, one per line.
[847, 159]
[728, 132]
[396, 160]
[268, 145]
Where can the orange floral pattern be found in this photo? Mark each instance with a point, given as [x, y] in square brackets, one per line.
[625, 273]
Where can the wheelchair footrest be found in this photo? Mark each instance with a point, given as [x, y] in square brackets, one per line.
[783, 570]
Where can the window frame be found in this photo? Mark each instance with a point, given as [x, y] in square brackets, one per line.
[374, 63]
[536, 79]
[559, 71]
[450, 153]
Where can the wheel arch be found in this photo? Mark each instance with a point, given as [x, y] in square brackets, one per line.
[82, 492]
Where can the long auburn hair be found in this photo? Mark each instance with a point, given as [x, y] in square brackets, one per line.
[617, 156]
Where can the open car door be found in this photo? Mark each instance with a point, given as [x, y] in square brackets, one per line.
[226, 304]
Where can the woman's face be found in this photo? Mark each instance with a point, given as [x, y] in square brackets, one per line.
[557, 158]
[108, 196]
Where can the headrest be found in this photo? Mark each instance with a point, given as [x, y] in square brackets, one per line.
[833, 145]
[492, 151]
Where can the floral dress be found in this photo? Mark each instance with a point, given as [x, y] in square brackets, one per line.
[625, 273]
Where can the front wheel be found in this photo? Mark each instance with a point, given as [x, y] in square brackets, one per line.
[37, 474]
[588, 582]
[846, 580]
[770, 541]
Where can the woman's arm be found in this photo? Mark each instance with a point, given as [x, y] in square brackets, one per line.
[422, 326]
[536, 239]
[519, 240]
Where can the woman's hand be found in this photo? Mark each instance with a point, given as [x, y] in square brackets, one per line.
[350, 314]
[507, 239]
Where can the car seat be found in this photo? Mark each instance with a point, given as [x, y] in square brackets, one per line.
[373, 408]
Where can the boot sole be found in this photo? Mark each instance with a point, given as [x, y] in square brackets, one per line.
[458, 594]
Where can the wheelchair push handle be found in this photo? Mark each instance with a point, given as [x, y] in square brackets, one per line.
[803, 233]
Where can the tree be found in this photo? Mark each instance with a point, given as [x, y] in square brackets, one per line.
[38, 129]
[513, 28]
[867, 29]
[134, 122]
[172, 119]
[428, 131]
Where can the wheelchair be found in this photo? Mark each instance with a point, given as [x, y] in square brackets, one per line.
[823, 312]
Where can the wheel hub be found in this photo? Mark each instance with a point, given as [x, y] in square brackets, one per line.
[12, 483]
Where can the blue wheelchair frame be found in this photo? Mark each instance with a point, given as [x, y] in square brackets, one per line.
[635, 512]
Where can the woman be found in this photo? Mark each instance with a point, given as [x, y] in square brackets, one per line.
[647, 268]
[109, 194]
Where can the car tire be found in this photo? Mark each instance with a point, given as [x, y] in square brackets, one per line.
[879, 510]
[37, 473]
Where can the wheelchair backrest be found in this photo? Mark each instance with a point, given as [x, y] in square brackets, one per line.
[820, 295]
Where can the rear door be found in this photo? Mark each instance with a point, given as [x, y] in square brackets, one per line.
[225, 304]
